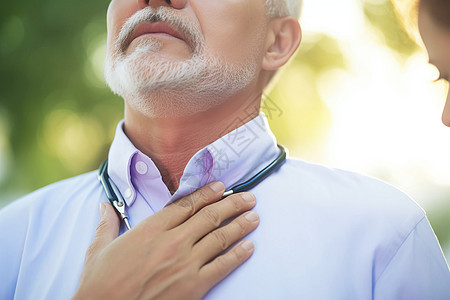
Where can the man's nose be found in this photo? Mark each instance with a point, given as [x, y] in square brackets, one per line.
[178, 4]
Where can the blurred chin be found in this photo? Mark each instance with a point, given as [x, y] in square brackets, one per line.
[446, 117]
[446, 112]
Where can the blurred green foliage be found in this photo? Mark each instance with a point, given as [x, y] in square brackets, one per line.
[381, 15]
[49, 80]
[306, 119]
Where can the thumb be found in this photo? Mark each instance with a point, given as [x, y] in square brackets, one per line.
[107, 230]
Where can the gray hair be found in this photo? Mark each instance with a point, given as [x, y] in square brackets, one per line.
[284, 8]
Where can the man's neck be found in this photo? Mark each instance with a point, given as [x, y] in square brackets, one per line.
[171, 142]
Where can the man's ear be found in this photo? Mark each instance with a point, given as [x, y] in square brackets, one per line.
[284, 36]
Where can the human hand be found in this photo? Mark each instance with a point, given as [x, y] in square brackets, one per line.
[174, 254]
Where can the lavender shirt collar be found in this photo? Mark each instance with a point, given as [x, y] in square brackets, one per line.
[232, 159]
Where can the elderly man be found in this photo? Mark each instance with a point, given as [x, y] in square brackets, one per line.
[191, 73]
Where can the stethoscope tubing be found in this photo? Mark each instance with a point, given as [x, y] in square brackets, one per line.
[260, 176]
[115, 197]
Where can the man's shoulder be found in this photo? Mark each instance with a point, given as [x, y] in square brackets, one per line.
[338, 180]
[350, 192]
[41, 226]
[54, 195]
[346, 206]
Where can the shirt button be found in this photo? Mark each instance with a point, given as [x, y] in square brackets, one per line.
[141, 167]
[128, 193]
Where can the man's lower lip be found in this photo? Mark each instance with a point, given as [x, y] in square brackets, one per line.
[153, 34]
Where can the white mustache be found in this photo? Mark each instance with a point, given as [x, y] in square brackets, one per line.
[188, 29]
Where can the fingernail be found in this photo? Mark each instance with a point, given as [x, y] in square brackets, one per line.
[249, 197]
[217, 186]
[247, 245]
[102, 208]
[252, 216]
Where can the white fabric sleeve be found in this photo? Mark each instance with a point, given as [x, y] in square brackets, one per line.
[417, 271]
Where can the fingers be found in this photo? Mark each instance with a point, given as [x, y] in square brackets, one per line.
[210, 217]
[182, 209]
[219, 240]
[223, 265]
[107, 230]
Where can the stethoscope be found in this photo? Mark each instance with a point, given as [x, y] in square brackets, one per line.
[117, 201]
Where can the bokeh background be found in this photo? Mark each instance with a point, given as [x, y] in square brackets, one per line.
[358, 95]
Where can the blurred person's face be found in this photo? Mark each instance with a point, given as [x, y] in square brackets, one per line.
[186, 57]
[437, 42]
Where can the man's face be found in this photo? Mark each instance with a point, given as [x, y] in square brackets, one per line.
[184, 57]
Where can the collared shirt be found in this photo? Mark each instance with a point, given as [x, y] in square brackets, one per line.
[323, 233]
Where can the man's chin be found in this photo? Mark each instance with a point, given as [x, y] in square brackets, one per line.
[166, 89]
[165, 104]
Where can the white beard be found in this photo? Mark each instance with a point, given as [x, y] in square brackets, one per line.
[160, 87]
